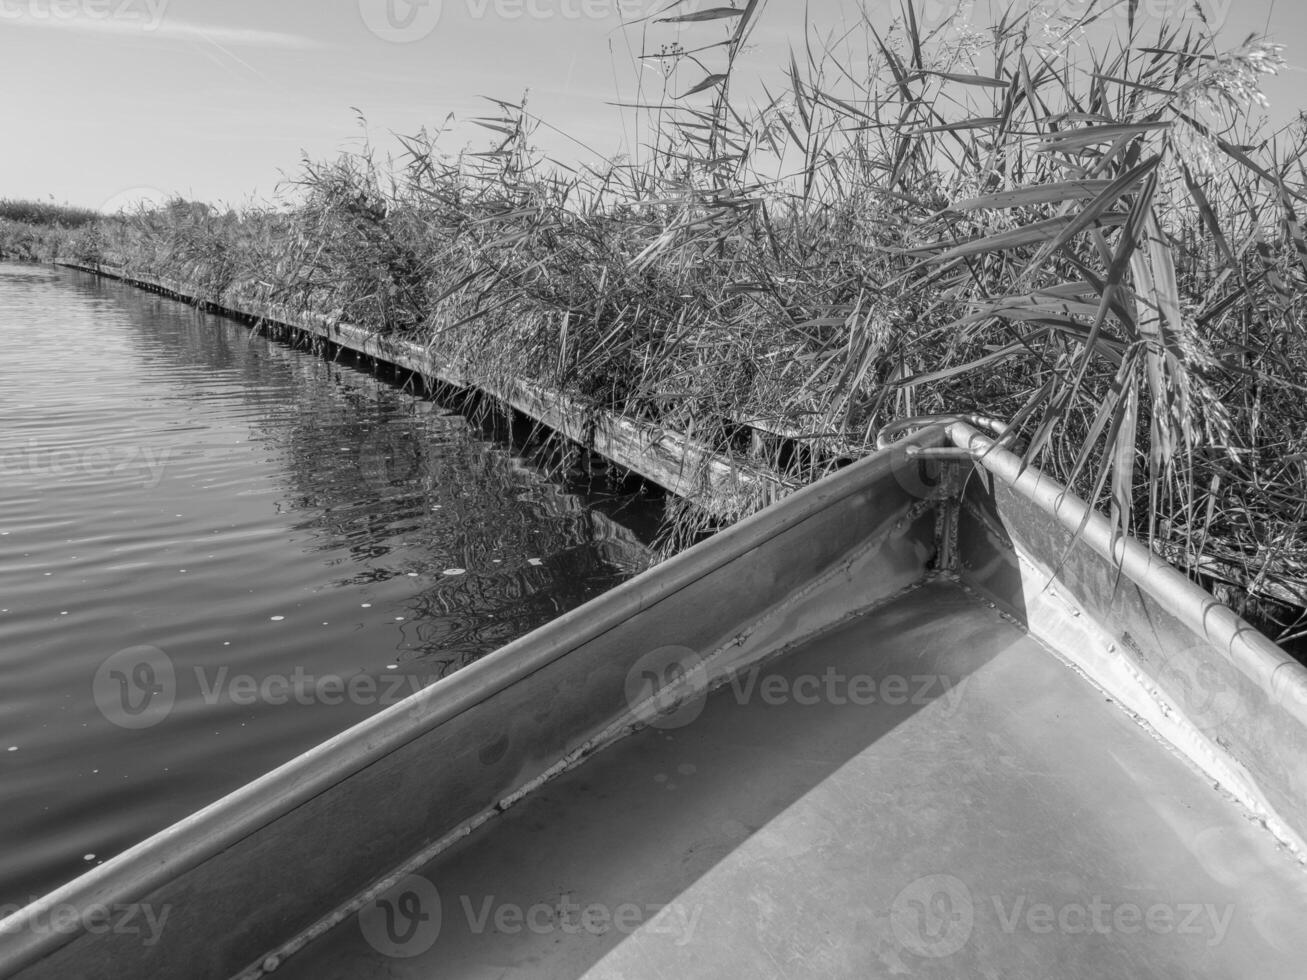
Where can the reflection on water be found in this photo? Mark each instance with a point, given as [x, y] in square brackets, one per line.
[268, 545]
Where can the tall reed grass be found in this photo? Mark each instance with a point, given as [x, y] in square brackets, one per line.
[1063, 221]
[36, 230]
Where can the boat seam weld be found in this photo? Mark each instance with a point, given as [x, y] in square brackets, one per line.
[1225, 773]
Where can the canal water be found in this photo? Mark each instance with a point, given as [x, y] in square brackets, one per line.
[216, 551]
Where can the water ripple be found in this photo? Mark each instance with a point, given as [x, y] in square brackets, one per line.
[264, 518]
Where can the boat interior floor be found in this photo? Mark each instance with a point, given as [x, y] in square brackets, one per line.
[924, 791]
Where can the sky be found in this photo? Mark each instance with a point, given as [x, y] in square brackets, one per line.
[106, 102]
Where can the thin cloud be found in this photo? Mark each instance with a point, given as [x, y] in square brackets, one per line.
[238, 36]
[145, 22]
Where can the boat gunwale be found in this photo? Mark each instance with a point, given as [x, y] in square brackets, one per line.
[1280, 676]
[181, 847]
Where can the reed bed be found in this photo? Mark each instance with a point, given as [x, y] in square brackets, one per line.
[1064, 221]
[38, 230]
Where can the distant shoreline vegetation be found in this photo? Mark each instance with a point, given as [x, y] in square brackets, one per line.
[43, 213]
[1100, 246]
[38, 231]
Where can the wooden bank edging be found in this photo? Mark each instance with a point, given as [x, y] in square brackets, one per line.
[722, 485]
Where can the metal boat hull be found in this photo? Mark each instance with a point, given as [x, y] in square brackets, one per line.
[890, 725]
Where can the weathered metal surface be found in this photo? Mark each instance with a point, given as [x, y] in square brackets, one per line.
[1190, 667]
[973, 808]
[253, 870]
[969, 799]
